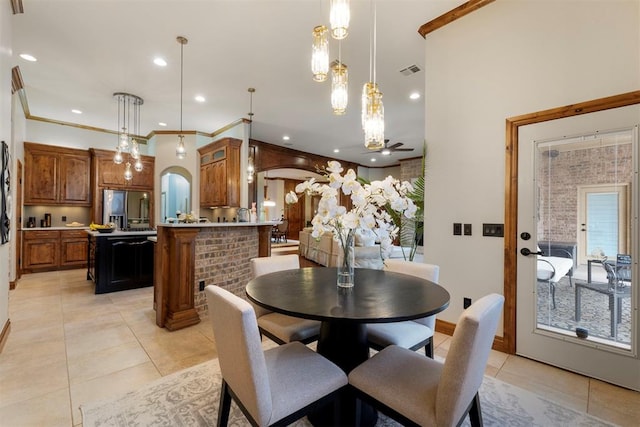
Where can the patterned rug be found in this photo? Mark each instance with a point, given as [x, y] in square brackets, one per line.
[190, 398]
[596, 317]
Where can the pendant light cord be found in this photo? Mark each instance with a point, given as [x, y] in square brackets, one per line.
[181, 79]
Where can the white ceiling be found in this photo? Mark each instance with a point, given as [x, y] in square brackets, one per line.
[89, 49]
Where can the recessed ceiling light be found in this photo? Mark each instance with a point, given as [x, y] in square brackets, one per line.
[28, 57]
[200, 98]
[373, 159]
[286, 137]
[336, 150]
[163, 124]
[385, 152]
[414, 95]
[76, 111]
[160, 62]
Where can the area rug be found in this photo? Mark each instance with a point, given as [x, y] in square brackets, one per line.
[190, 398]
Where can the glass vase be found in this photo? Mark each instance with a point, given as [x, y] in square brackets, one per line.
[346, 261]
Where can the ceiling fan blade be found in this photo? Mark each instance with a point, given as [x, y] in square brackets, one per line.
[395, 146]
[404, 149]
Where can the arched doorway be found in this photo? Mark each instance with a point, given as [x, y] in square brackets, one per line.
[175, 192]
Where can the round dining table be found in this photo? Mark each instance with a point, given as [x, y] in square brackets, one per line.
[377, 296]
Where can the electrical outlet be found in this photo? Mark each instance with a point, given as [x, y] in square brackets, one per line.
[201, 285]
[457, 229]
[466, 302]
[467, 229]
[64, 218]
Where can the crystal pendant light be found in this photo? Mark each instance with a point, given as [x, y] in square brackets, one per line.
[250, 167]
[181, 151]
[128, 175]
[128, 127]
[339, 17]
[372, 107]
[339, 88]
[320, 54]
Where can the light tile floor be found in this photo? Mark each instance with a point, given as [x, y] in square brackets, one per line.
[68, 346]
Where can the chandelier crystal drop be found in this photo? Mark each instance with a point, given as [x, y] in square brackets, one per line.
[339, 88]
[128, 129]
[339, 17]
[181, 151]
[320, 54]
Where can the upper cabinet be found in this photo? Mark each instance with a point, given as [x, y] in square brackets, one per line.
[220, 173]
[56, 175]
[109, 175]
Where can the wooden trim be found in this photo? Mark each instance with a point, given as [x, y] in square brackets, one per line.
[448, 328]
[12, 285]
[511, 192]
[452, 15]
[227, 127]
[5, 334]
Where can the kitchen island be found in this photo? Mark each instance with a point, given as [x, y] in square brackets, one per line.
[120, 260]
[190, 256]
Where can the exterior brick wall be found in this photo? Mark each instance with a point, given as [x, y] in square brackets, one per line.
[410, 169]
[222, 259]
[559, 178]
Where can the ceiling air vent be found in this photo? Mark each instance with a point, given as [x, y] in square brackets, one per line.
[411, 69]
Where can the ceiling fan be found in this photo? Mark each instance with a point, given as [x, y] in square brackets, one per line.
[388, 149]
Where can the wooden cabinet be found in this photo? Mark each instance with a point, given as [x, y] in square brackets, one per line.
[73, 248]
[53, 250]
[220, 173]
[40, 250]
[56, 175]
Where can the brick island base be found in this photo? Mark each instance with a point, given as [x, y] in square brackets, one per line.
[212, 254]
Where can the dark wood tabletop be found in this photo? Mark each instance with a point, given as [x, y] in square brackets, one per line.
[378, 296]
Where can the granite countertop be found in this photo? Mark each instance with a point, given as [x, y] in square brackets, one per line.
[86, 227]
[119, 233]
[217, 224]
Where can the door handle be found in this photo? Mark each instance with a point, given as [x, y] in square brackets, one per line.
[527, 252]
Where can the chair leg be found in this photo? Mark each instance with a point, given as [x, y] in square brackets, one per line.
[428, 349]
[225, 405]
[475, 413]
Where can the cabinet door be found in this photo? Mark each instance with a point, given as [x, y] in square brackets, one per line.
[40, 254]
[218, 183]
[41, 185]
[74, 180]
[110, 175]
[206, 186]
[73, 248]
[144, 178]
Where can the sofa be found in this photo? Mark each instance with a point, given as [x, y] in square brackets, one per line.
[326, 251]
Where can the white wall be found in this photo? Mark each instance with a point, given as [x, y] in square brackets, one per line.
[5, 135]
[506, 59]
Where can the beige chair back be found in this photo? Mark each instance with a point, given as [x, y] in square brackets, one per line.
[467, 358]
[265, 265]
[240, 354]
[429, 272]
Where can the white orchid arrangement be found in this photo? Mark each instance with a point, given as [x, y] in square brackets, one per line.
[371, 203]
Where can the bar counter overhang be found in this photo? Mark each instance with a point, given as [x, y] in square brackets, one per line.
[189, 256]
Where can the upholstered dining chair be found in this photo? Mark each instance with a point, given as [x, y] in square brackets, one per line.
[418, 391]
[278, 327]
[411, 334]
[273, 387]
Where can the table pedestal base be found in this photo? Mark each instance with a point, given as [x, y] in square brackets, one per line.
[345, 344]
